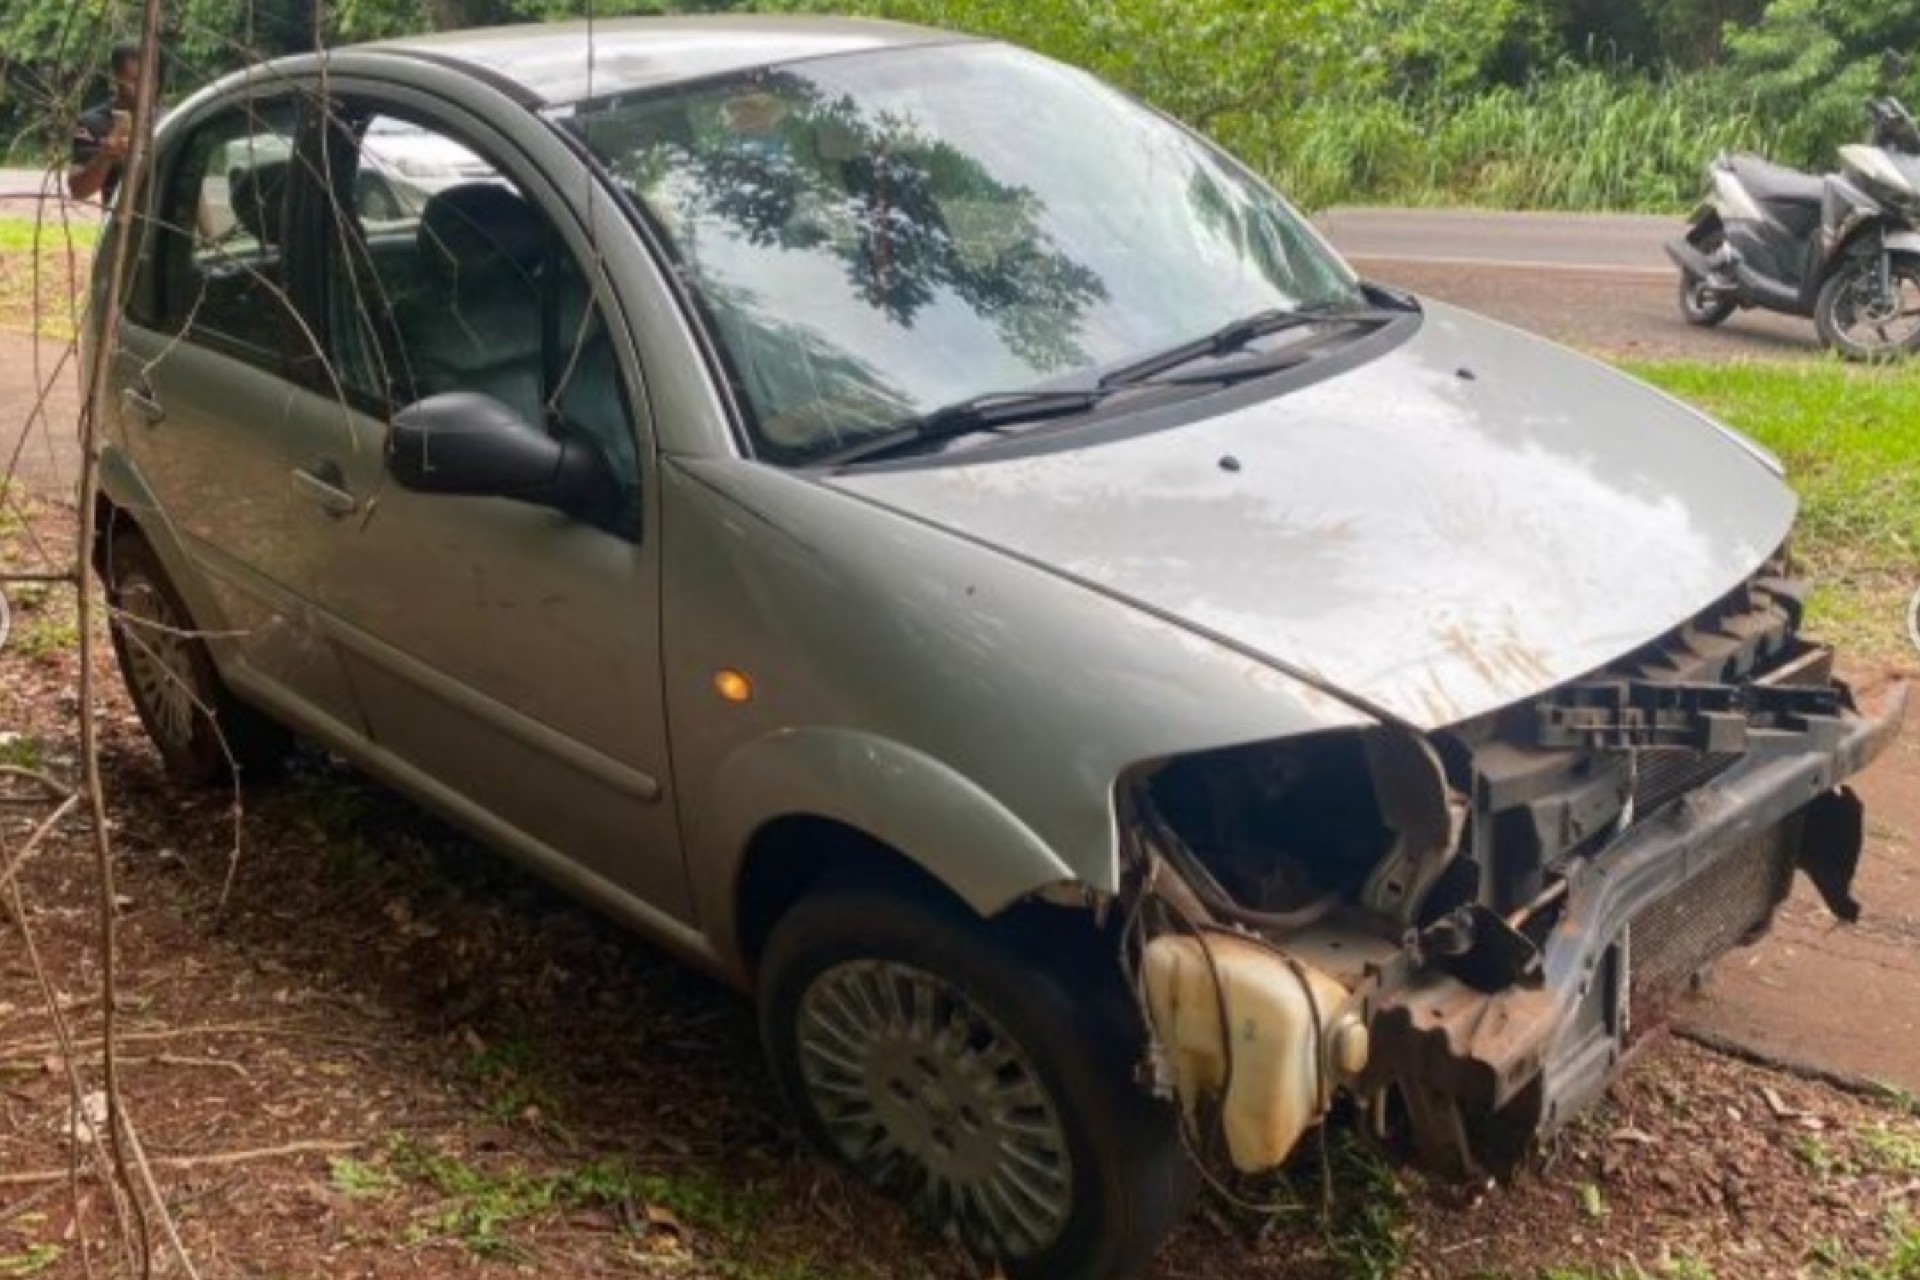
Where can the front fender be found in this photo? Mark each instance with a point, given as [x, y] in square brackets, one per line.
[1870, 236]
[934, 816]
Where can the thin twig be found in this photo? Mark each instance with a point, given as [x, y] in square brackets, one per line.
[123, 228]
[56, 789]
[167, 1224]
[182, 1060]
[283, 1029]
[211, 1160]
[76, 1090]
[35, 840]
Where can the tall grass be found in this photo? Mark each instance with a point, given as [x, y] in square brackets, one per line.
[1581, 138]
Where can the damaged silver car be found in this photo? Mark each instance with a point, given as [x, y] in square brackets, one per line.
[947, 549]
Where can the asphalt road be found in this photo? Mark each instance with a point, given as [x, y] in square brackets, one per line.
[1595, 281]
[1618, 244]
[23, 187]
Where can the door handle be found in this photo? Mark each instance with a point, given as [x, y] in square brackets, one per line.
[139, 401]
[327, 486]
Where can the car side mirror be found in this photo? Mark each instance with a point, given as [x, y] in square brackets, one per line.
[467, 443]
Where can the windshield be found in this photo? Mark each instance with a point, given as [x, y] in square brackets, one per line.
[875, 236]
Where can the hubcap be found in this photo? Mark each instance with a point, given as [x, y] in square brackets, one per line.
[923, 1093]
[159, 660]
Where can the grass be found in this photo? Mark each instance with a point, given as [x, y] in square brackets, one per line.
[45, 299]
[22, 751]
[360, 1180]
[1831, 1260]
[1893, 1151]
[24, 235]
[45, 631]
[1835, 1261]
[32, 1262]
[1845, 434]
[481, 1208]
[513, 1073]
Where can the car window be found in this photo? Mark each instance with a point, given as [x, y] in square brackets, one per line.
[443, 274]
[218, 245]
[875, 236]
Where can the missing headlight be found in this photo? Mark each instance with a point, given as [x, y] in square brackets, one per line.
[1274, 832]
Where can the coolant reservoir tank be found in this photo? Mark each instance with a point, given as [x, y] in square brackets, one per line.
[1266, 1060]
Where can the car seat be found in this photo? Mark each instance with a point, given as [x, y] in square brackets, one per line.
[475, 323]
[256, 195]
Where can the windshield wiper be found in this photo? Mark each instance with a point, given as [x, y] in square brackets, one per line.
[988, 412]
[1234, 335]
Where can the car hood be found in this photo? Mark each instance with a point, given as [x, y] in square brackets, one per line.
[1459, 524]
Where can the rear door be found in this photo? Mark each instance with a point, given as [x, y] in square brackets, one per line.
[202, 406]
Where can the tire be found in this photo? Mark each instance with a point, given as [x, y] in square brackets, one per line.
[949, 1065]
[1859, 326]
[203, 733]
[1697, 307]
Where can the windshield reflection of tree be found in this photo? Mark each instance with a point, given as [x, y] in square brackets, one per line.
[1224, 208]
[879, 194]
[794, 419]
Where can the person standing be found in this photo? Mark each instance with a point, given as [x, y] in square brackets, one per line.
[103, 134]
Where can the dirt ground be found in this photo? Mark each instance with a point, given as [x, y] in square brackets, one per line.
[352, 1043]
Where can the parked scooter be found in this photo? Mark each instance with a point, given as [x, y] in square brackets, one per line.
[1843, 248]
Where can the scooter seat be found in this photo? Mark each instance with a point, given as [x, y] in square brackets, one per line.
[1775, 183]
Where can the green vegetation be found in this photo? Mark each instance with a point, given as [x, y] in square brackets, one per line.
[1835, 1261]
[25, 235]
[360, 1180]
[514, 1074]
[22, 751]
[480, 1207]
[1830, 1261]
[1534, 103]
[1583, 138]
[43, 269]
[32, 1262]
[1516, 103]
[1892, 1150]
[50, 630]
[1846, 438]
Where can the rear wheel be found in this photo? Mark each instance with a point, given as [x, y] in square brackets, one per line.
[202, 731]
[950, 1066]
[1864, 316]
[1700, 303]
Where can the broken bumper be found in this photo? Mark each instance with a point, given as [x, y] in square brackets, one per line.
[1481, 1071]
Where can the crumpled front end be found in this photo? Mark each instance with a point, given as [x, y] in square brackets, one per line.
[1466, 931]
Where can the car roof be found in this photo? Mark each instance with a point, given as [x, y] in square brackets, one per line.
[569, 61]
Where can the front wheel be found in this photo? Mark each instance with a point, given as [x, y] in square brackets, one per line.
[950, 1066]
[1700, 303]
[1865, 316]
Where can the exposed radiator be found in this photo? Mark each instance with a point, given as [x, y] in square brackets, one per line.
[1681, 935]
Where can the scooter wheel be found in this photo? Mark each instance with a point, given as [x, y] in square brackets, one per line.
[1701, 305]
[1858, 322]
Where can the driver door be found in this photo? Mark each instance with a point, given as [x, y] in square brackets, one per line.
[505, 656]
